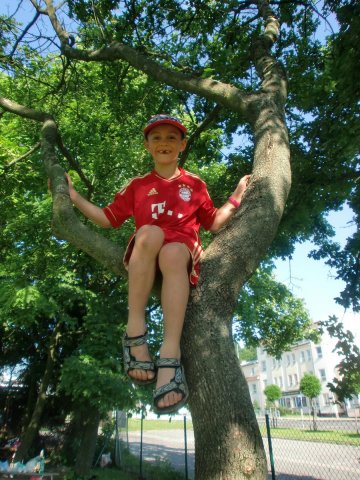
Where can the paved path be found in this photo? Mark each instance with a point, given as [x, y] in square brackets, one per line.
[294, 460]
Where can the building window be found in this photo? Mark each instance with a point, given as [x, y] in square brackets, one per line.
[319, 352]
[274, 363]
[296, 381]
[293, 358]
[322, 374]
[280, 382]
[308, 354]
[290, 380]
[302, 357]
[263, 366]
[288, 359]
[253, 371]
[254, 389]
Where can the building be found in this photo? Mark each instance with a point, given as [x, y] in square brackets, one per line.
[287, 372]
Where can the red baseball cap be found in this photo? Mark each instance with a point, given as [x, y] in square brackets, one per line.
[162, 119]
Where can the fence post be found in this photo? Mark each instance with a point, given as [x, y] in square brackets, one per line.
[141, 442]
[186, 453]
[273, 477]
[127, 431]
[117, 440]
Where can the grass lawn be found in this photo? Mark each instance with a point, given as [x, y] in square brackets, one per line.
[134, 424]
[158, 469]
[341, 437]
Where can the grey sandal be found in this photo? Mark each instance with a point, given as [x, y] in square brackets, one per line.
[130, 362]
[177, 384]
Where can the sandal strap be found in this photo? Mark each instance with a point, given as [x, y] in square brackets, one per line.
[131, 363]
[168, 363]
[137, 364]
[178, 383]
[135, 341]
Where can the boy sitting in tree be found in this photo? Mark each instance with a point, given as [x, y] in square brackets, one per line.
[169, 205]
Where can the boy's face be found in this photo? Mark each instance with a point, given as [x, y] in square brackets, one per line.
[164, 143]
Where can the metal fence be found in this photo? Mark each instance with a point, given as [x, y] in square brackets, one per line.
[312, 449]
[296, 448]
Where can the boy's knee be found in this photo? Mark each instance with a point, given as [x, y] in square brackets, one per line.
[173, 256]
[149, 237]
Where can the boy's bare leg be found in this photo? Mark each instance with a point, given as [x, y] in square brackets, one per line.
[174, 259]
[142, 268]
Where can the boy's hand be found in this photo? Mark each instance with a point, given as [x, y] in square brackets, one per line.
[72, 192]
[242, 185]
[68, 181]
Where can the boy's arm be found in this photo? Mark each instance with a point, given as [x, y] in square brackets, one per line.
[225, 212]
[88, 209]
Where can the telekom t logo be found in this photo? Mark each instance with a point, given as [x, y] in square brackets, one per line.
[159, 208]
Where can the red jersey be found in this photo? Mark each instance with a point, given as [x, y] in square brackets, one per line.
[180, 204]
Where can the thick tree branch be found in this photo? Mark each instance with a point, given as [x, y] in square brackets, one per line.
[219, 92]
[66, 224]
[22, 111]
[222, 93]
[75, 165]
[39, 116]
[272, 74]
[64, 37]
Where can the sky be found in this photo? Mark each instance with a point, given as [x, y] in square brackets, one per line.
[315, 282]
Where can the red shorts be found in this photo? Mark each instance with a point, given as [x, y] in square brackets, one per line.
[190, 239]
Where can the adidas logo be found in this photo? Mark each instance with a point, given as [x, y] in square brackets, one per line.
[153, 191]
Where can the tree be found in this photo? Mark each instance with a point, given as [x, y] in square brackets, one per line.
[310, 386]
[246, 354]
[201, 50]
[348, 383]
[272, 393]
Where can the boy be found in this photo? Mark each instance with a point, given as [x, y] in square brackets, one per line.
[168, 204]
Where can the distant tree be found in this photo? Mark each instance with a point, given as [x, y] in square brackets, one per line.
[247, 354]
[310, 386]
[348, 384]
[272, 393]
[256, 406]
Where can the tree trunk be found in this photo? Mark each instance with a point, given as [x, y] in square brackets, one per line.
[313, 411]
[31, 401]
[227, 438]
[32, 429]
[88, 421]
